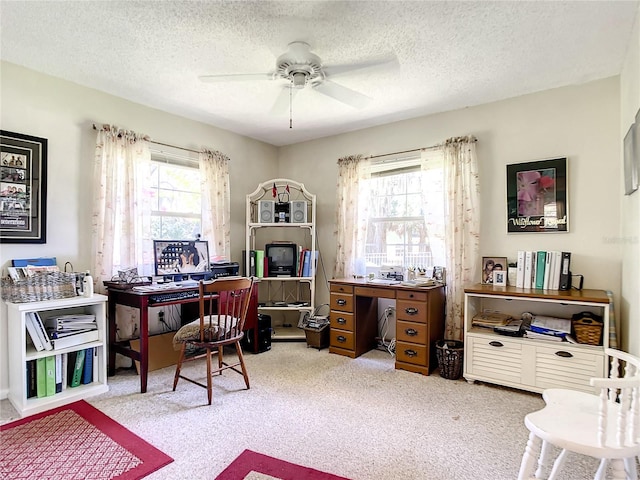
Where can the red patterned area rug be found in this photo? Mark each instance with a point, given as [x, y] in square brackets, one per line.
[255, 466]
[75, 441]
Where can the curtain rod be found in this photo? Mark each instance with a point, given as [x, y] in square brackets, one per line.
[163, 144]
[422, 149]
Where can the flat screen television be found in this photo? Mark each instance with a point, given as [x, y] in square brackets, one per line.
[281, 259]
[182, 257]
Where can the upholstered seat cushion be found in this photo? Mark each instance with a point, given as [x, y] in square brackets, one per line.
[191, 331]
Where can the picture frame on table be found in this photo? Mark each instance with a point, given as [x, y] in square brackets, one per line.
[500, 278]
[491, 264]
[23, 188]
[538, 197]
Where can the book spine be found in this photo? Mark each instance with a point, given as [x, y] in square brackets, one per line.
[33, 333]
[259, 263]
[41, 377]
[557, 264]
[58, 358]
[565, 271]
[528, 266]
[252, 263]
[306, 264]
[87, 369]
[77, 339]
[520, 269]
[76, 378]
[65, 370]
[42, 332]
[31, 379]
[50, 365]
[547, 270]
[540, 266]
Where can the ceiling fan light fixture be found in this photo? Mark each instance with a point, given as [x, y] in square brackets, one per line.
[299, 79]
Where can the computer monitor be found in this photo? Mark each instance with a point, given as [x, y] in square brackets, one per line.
[182, 257]
[282, 259]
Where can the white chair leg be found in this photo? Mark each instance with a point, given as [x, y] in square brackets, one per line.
[529, 457]
[630, 468]
[558, 464]
[544, 462]
[617, 470]
[602, 470]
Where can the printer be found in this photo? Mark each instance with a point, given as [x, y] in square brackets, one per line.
[224, 269]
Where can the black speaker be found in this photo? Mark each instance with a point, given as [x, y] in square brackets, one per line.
[259, 339]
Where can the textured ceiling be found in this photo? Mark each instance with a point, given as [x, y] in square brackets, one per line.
[450, 54]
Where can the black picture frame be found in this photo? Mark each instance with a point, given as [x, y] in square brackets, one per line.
[538, 197]
[23, 188]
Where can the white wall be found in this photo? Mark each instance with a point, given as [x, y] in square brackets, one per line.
[630, 205]
[581, 122]
[63, 112]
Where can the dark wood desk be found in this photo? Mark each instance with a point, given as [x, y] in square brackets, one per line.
[141, 302]
[419, 321]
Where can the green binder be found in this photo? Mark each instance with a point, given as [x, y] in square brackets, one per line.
[76, 378]
[50, 365]
[41, 377]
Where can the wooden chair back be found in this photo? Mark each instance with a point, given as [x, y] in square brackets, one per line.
[224, 302]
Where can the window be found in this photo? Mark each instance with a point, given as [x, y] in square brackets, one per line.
[406, 214]
[175, 199]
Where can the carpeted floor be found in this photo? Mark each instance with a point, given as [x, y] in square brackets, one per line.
[356, 418]
[75, 441]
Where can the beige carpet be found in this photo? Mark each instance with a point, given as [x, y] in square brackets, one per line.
[360, 419]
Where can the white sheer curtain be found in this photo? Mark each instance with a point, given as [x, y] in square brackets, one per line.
[462, 207]
[216, 228]
[121, 214]
[351, 214]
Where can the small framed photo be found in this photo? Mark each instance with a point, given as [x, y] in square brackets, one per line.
[500, 278]
[490, 265]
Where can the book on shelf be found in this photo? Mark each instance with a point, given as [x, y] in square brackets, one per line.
[55, 334]
[87, 368]
[547, 270]
[541, 258]
[58, 358]
[71, 322]
[259, 261]
[31, 379]
[565, 271]
[76, 367]
[41, 377]
[520, 269]
[50, 382]
[555, 274]
[33, 333]
[77, 339]
[65, 370]
[528, 268]
[40, 330]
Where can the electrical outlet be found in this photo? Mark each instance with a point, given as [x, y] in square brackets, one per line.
[161, 316]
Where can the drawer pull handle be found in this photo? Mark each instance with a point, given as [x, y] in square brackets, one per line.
[412, 332]
[341, 338]
[342, 302]
[411, 311]
[564, 354]
[410, 353]
[341, 321]
[496, 344]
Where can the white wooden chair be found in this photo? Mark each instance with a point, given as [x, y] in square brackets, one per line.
[604, 425]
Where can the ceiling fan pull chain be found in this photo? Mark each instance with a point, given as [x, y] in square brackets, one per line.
[290, 103]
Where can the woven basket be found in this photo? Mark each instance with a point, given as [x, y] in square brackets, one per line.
[41, 286]
[450, 354]
[587, 330]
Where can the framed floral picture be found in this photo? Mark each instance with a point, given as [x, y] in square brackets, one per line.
[537, 196]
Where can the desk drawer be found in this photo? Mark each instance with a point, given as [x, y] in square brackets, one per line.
[376, 292]
[411, 332]
[411, 353]
[341, 320]
[338, 288]
[341, 301]
[342, 339]
[411, 310]
[415, 296]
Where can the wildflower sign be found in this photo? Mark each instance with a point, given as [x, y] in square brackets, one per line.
[537, 198]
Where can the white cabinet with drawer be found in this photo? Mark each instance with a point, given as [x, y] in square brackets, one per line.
[531, 364]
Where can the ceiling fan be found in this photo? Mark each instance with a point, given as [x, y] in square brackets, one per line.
[303, 69]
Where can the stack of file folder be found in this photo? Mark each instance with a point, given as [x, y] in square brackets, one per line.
[71, 329]
[549, 328]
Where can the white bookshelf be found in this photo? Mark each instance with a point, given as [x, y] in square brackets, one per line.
[22, 350]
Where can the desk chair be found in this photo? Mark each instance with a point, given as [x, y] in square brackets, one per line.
[604, 425]
[223, 311]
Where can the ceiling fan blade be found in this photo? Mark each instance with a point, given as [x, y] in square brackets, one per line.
[389, 62]
[282, 103]
[343, 94]
[233, 77]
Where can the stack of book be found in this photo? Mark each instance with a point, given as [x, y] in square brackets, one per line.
[544, 270]
[49, 375]
[71, 329]
[490, 320]
[549, 328]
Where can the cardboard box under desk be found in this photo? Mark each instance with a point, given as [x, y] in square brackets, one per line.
[161, 352]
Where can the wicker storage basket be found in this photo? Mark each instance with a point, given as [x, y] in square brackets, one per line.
[587, 329]
[39, 287]
[450, 354]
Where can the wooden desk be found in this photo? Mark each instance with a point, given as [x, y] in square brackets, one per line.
[419, 321]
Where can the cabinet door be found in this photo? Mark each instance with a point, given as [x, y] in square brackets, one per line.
[567, 367]
[495, 358]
